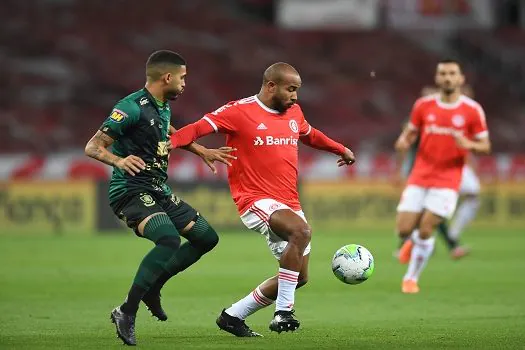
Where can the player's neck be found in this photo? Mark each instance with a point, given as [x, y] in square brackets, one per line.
[267, 101]
[156, 93]
[450, 98]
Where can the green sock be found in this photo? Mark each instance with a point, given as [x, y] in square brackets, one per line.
[160, 230]
[443, 232]
[201, 239]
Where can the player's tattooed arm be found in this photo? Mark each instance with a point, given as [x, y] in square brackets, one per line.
[97, 148]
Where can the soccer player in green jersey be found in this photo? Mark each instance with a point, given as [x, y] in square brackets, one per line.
[138, 130]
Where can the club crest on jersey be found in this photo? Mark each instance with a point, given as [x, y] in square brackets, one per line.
[294, 126]
[274, 206]
[147, 199]
[458, 120]
[117, 116]
[431, 118]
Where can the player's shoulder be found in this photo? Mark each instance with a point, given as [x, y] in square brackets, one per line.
[426, 100]
[131, 104]
[244, 103]
[470, 103]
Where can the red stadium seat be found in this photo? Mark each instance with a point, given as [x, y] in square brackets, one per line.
[517, 168]
[487, 168]
[86, 169]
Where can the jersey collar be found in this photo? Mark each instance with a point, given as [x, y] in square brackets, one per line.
[446, 105]
[157, 103]
[265, 107]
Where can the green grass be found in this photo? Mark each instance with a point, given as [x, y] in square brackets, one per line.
[57, 292]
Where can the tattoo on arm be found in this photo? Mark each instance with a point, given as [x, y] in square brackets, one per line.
[96, 148]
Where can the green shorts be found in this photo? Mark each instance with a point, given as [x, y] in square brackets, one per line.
[134, 208]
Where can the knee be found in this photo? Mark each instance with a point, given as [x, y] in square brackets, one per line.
[203, 236]
[404, 229]
[426, 230]
[474, 199]
[301, 235]
[170, 241]
[210, 241]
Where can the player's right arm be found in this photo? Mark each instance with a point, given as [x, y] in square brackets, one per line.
[221, 120]
[121, 118]
[411, 130]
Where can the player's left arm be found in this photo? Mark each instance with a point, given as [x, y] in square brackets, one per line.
[209, 156]
[480, 144]
[316, 139]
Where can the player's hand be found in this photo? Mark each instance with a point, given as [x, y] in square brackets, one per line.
[222, 155]
[169, 145]
[347, 158]
[402, 144]
[131, 164]
[462, 141]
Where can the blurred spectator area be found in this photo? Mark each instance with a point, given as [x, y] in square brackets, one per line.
[64, 63]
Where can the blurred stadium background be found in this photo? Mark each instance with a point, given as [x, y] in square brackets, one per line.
[64, 63]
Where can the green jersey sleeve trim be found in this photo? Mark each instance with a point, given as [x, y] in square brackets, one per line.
[125, 114]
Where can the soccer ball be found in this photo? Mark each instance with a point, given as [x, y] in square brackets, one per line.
[353, 264]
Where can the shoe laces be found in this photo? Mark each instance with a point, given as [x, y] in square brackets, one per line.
[132, 324]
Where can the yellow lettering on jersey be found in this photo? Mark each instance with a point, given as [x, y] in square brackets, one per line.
[162, 149]
[117, 116]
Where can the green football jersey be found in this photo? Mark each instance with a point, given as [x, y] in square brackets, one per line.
[139, 124]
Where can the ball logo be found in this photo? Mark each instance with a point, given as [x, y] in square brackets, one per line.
[458, 121]
[294, 126]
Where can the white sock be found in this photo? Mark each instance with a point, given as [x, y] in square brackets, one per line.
[465, 214]
[415, 235]
[420, 254]
[250, 304]
[286, 292]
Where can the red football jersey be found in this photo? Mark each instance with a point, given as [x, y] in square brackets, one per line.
[439, 160]
[267, 150]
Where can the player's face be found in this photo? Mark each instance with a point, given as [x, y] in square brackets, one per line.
[285, 93]
[175, 82]
[449, 77]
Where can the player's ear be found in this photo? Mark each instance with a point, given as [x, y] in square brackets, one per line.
[271, 86]
[166, 78]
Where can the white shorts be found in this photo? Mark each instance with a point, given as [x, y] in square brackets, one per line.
[256, 218]
[469, 182]
[439, 201]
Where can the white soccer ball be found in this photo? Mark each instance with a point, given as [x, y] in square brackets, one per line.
[353, 264]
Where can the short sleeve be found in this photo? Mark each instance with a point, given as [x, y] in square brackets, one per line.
[223, 119]
[479, 128]
[124, 115]
[304, 127]
[415, 117]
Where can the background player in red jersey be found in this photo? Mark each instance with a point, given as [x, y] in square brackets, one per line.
[265, 129]
[449, 125]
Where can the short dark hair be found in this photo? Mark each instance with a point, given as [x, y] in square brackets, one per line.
[159, 62]
[451, 60]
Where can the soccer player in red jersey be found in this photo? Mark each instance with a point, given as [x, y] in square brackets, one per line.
[265, 130]
[449, 125]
